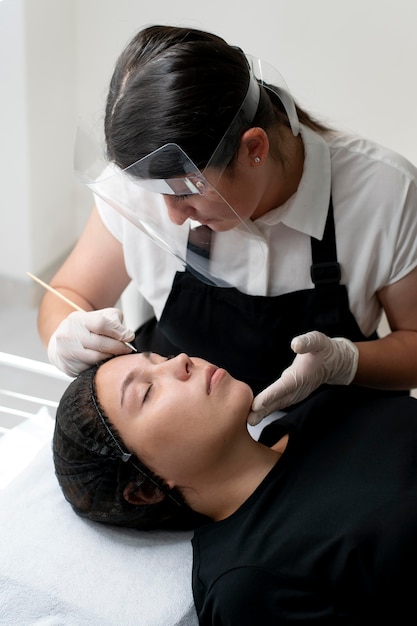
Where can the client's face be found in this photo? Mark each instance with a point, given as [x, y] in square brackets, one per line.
[172, 410]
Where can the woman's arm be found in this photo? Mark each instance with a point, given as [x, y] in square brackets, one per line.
[391, 362]
[93, 276]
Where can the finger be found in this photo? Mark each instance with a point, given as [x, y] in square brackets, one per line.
[262, 400]
[105, 345]
[115, 323]
[258, 413]
[255, 418]
[107, 322]
[270, 395]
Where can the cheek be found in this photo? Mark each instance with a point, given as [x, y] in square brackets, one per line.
[213, 208]
[241, 203]
[166, 422]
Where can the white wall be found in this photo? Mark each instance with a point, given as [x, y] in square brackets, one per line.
[37, 125]
[14, 166]
[354, 63]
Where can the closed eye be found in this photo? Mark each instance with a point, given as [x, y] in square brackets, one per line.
[147, 393]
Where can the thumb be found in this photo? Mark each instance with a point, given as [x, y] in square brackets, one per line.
[309, 342]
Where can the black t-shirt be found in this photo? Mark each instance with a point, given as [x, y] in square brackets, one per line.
[330, 535]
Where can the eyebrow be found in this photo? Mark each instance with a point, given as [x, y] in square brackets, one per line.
[130, 378]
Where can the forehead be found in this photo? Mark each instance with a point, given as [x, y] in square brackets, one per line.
[113, 371]
[125, 362]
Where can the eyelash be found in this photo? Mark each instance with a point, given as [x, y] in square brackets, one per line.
[146, 396]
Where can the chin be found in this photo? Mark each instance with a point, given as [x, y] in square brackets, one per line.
[219, 227]
[247, 394]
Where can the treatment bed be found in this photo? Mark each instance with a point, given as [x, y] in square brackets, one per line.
[57, 569]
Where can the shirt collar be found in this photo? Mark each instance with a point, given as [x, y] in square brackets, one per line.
[306, 210]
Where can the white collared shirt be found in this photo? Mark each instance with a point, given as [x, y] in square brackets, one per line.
[374, 193]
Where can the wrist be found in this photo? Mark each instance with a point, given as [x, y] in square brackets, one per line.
[349, 355]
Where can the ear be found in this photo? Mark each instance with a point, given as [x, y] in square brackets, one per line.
[144, 492]
[254, 146]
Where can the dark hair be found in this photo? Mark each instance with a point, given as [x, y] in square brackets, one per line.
[93, 472]
[184, 86]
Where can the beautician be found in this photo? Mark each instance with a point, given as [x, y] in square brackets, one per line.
[264, 240]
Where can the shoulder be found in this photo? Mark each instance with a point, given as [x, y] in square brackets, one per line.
[354, 150]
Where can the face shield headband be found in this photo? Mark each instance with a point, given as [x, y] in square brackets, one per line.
[193, 246]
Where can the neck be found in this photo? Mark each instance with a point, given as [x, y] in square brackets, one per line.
[231, 482]
[282, 177]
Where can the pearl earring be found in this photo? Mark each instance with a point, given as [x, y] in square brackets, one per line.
[257, 159]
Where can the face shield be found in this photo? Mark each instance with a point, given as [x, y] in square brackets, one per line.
[170, 172]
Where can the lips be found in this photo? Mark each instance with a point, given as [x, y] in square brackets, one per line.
[210, 373]
[216, 374]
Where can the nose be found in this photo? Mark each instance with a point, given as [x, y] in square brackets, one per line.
[179, 366]
[179, 210]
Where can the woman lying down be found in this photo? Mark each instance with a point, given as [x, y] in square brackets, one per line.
[315, 523]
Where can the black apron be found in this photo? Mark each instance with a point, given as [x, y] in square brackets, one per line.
[248, 335]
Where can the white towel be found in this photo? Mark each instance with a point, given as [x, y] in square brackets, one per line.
[57, 569]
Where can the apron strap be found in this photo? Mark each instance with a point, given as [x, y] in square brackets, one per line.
[326, 274]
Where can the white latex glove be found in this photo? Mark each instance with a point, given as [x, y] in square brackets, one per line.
[319, 360]
[85, 338]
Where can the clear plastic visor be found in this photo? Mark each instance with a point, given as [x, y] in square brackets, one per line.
[124, 191]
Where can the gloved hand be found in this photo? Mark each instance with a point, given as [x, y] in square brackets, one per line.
[319, 360]
[85, 338]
